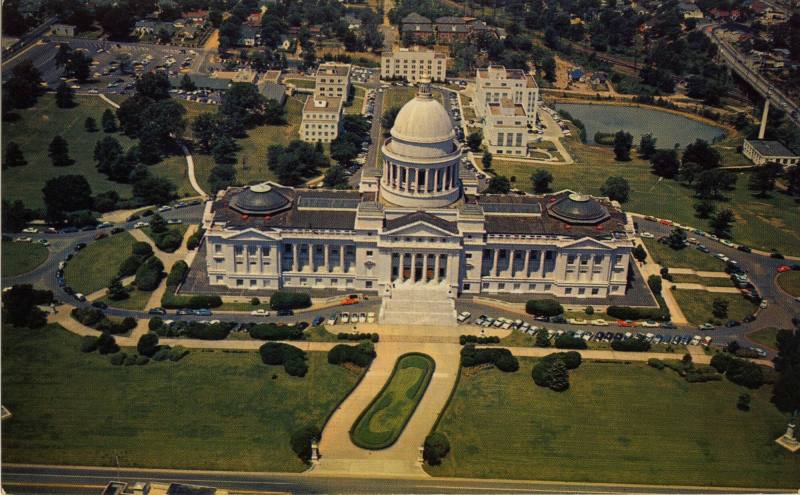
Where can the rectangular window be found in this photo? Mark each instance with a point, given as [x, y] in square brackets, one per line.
[595, 291]
[239, 282]
[369, 253]
[501, 286]
[568, 290]
[217, 248]
[368, 285]
[253, 282]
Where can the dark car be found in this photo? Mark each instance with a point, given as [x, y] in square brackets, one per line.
[744, 249]
[618, 336]
[302, 325]
[99, 304]
[749, 318]
[285, 312]
[157, 311]
[80, 246]
[88, 228]
[558, 319]
[69, 290]
[202, 312]
[133, 217]
[317, 321]
[668, 324]
[69, 230]
[703, 249]
[732, 323]
[117, 230]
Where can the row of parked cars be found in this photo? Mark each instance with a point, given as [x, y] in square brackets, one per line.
[344, 318]
[506, 323]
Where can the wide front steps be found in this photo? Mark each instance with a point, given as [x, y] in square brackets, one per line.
[418, 304]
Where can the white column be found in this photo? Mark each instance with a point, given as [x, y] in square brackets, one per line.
[512, 259]
[341, 258]
[494, 263]
[436, 268]
[526, 264]
[454, 180]
[541, 262]
[427, 180]
[327, 251]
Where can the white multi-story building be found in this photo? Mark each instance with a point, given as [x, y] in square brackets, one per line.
[496, 82]
[413, 63]
[322, 119]
[332, 80]
[418, 226]
[505, 128]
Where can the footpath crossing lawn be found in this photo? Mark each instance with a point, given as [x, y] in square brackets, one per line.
[790, 282]
[211, 410]
[688, 257]
[620, 423]
[697, 305]
[384, 419]
[21, 257]
[92, 267]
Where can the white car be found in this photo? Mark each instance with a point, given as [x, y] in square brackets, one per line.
[31, 230]
[763, 304]
[141, 225]
[649, 324]
[259, 312]
[23, 239]
[577, 321]
[646, 235]
[463, 316]
[599, 322]
[362, 318]
[345, 318]
[726, 242]
[332, 320]
[370, 317]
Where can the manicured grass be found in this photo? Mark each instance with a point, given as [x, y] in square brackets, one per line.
[707, 281]
[320, 334]
[764, 223]
[21, 257]
[688, 257]
[251, 166]
[765, 336]
[211, 410]
[180, 228]
[301, 83]
[697, 304]
[36, 128]
[397, 96]
[358, 101]
[136, 302]
[92, 268]
[381, 423]
[790, 282]
[622, 423]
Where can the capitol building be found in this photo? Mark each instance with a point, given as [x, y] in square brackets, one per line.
[418, 229]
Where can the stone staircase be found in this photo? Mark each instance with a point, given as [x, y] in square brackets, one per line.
[418, 304]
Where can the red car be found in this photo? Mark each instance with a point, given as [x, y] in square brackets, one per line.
[784, 268]
[626, 323]
[665, 222]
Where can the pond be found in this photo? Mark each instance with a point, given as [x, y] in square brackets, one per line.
[667, 128]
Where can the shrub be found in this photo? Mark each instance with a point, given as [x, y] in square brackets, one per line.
[128, 323]
[88, 343]
[130, 360]
[173, 301]
[177, 274]
[743, 404]
[565, 341]
[106, 344]
[255, 301]
[155, 323]
[435, 448]
[88, 316]
[656, 363]
[359, 355]
[551, 370]
[720, 362]
[541, 339]
[631, 345]
[168, 241]
[142, 250]
[629, 313]
[291, 357]
[149, 274]
[142, 360]
[474, 339]
[301, 441]
[506, 362]
[129, 266]
[498, 356]
[118, 358]
[589, 310]
[272, 331]
[745, 373]
[746, 353]
[194, 239]
[177, 353]
[206, 331]
[148, 344]
[289, 300]
[543, 307]
[162, 354]
[374, 337]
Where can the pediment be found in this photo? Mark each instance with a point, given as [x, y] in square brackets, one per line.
[588, 243]
[250, 235]
[419, 228]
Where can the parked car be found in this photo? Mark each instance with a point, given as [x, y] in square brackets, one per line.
[259, 312]
[202, 312]
[650, 324]
[157, 311]
[463, 316]
[317, 321]
[706, 326]
[99, 305]
[370, 317]
[285, 312]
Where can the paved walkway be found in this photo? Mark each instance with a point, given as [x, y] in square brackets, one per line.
[699, 273]
[653, 268]
[190, 170]
[707, 288]
[168, 259]
[339, 455]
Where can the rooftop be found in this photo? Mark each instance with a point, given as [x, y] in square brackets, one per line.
[328, 104]
[506, 107]
[332, 69]
[770, 148]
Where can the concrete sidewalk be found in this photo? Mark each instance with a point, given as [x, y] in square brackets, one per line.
[653, 268]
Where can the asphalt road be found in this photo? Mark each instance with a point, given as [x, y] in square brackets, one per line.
[57, 480]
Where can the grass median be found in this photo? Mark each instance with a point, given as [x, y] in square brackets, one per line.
[688, 257]
[92, 267]
[381, 424]
[22, 257]
[697, 305]
[790, 282]
[211, 410]
[617, 423]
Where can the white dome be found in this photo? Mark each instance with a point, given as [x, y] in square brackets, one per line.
[423, 120]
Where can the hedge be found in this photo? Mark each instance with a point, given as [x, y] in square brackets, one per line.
[474, 339]
[194, 240]
[292, 358]
[272, 331]
[373, 337]
[631, 345]
[149, 274]
[498, 356]
[170, 300]
[551, 370]
[282, 300]
[95, 318]
[177, 273]
[739, 371]
[629, 313]
[206, 331]
[565, 341]
[359, 355]
[543, 307]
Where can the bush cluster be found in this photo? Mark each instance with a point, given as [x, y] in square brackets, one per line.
[177, 274]
[103, 343]
[194, 240]
[95, 318]
[630, 345]
[289, 300]
[149, 274]
[301, 441]
[543, 307]
[359, 355]
[629, 313]
[373, 337]
[565, 341]
[435, 448]
[168, 241]
[474, 339]
[739, 371]
[656, 363]
[292, 358]
[552, 370]
[498, 356]
[273, 331]
[174, 301]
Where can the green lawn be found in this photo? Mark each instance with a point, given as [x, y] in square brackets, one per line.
[301, 83]
[765, 336]
[251, 166]
[211, 410]
[21, 257]
[696, 305]
[92, 268]
[688, 257]
[36, 128]
[383, 421]
[764, 223]
[790, 282]
[358, 101]
[620, 423]
[180, 228]
[707, 281]
[136, 302]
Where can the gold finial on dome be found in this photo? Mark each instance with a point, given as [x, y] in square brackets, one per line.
[424, 86]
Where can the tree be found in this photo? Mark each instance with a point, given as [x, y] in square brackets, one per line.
[616, 188]
[689, 171]
[274, 113]
[639, 253]
[435, 448]
[157, 224]
[20, 306]
[623, 142]
[486, 160]
[24, 85]
[130, 114]
[654, 282]
[64, 194]
[224, 149]
[709, 184]
[705, 208]
[161, 123]
[108, 121]
[13, 156]
[763, 178]
[204, 128]
[549, 69]
[118, 22]
[701, 153]
[665, 163]
[90, 124]
[187, 84]
[221, 177]
[474, 140]
[243, 101]
[387, 119]
[647, 146]
[541, 180]
[107, 152]
[116, 292]
[720, 308]
[148, 344]
[676, 238]
[156, 190]
[58, 151]
[154, 85]
[558, 376]
[743, 403]
[15, 216]
[65, 96]
[78, 66]
[722, 223]
[335, 177]
[498, 185]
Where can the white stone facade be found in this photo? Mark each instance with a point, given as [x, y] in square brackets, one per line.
[322, 119]
[413, 64]
[332, 80]
[496, 82]
[505, 128]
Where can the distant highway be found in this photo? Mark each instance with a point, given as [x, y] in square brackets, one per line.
[733, 58]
